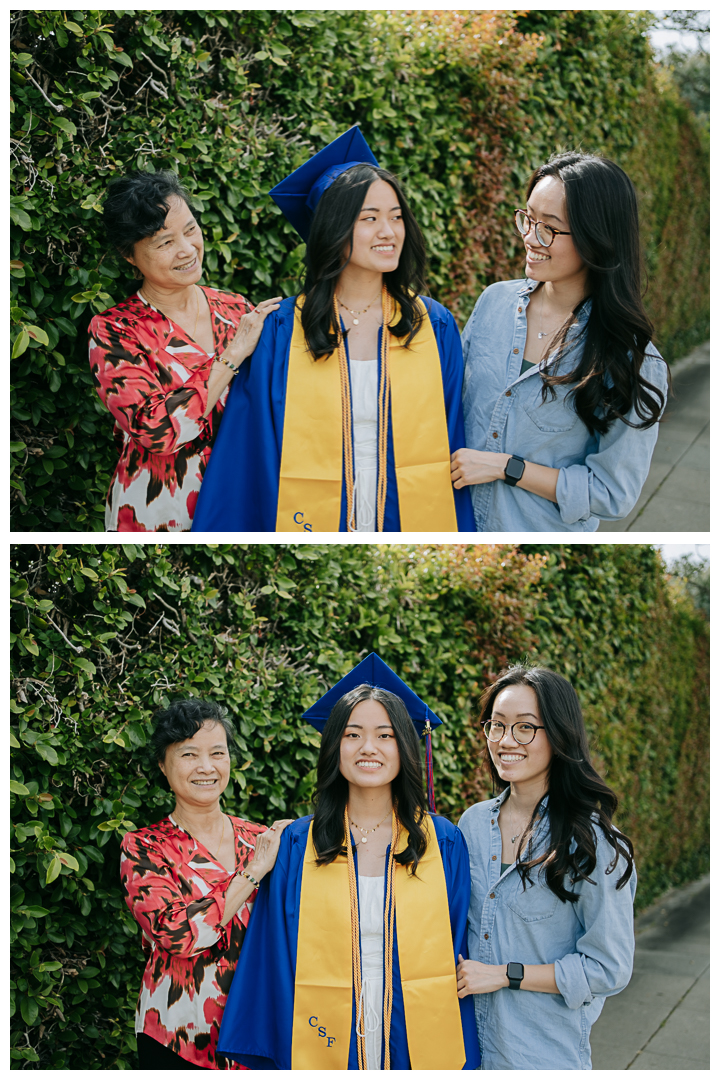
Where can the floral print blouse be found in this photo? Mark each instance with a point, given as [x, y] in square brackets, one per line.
[175, 889]
[153, 378]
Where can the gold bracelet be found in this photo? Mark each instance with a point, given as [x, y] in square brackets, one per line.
[222, 360]
[244, 873]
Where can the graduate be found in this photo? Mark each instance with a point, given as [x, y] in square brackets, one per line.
[349, 963]
[345, 416]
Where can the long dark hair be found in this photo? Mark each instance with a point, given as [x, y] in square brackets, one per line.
[577, 796]
[326, 256]
[602, 212]
[331, 793]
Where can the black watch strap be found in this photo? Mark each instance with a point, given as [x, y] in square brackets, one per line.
[514, 470]
[515, 973]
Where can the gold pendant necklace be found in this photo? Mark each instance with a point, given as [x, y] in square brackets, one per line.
[356, 321]
[367, 831]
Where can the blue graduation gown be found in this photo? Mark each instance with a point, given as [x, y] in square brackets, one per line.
[239, 491]
[256, 1028]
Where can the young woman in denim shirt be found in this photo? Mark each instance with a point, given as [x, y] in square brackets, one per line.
[553, 882]
[563, 386]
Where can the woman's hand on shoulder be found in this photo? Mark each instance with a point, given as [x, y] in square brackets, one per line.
[266, 849]
[249, 330]
[477, 467]
[476, 978]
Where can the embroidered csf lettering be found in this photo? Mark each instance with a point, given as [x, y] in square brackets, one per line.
[299, 519]
[321, 1030]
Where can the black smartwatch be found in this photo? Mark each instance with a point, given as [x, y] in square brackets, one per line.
[515, 974]
[514, 470]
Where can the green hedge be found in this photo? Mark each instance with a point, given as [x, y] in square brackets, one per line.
[102, 635]
[462, 105]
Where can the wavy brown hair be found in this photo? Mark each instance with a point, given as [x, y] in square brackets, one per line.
[578, 799]
[602, 212]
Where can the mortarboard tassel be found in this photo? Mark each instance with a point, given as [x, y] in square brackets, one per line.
[429, 768]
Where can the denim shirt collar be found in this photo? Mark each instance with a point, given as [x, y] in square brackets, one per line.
[543, 824]
[528, 287]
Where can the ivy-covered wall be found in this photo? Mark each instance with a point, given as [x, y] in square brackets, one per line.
[102, 635]
[461, 105]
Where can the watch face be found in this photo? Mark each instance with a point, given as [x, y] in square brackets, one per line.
[515, 971]
[515, 468]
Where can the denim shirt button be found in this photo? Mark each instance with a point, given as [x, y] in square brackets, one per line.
[516, 351]
[519, 309]
[494, 858]
[492, 895]
[495, 435]
[487, 936]
[492, 820]
[508, 393]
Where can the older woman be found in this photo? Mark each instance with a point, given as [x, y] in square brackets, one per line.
[190, 883]
[162, 359]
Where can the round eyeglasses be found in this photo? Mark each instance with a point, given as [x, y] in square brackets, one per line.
[522, 732]
[544, 234]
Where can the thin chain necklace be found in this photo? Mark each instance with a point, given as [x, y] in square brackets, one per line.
[543, 333]
[367, 831]
[356, 321]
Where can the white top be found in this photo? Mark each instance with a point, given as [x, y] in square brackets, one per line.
[371, 896]
[364, 382]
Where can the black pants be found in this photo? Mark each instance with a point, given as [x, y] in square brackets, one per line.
[153, 1055]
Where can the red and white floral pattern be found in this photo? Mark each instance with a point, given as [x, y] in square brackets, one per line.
[175, 889]
[153, 378]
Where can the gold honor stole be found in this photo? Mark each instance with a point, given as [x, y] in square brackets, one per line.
[311, 466]
[322, 1014]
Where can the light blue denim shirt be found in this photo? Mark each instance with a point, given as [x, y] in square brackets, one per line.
[590, 942]
[601, 476]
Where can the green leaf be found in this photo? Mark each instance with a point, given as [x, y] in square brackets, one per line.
[29, 1010]
[17, 447]
[68, 860]
[19, 217]
[35, 912]
[53, 870]
[134, 598]
[20, 344]
[37, 334]
[124, 59]
[47, 753]
[65, 125]
[18, 588]
[13, 740]
[73, 27]
[85, 665]
[15, 787]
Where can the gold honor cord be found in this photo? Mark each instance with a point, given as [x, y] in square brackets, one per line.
[388, 310]
[356, 962]
[317, 434]
[328, 975]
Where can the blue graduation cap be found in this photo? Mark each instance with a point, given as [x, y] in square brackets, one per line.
[372, 671]
[298, 194]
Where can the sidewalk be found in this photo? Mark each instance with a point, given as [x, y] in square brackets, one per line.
[662, 1018]
[676, 495]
